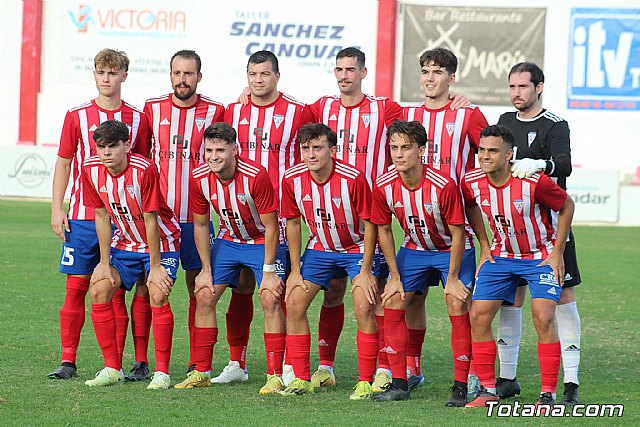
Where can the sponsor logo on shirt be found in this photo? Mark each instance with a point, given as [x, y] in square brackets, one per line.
[333, 117]
[485, 202]
[93, 128]
[215, 196]
[103, 189]
[398, 205]
[306, 198]
[164, 121]
[244, 121]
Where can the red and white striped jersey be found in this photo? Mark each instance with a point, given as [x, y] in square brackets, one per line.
[238, 202]
[361, 130]
[424, 213]
[333, 210]
[454, 136]
[267, 134]
[127, 197]
[518, 212]
[76, 143]
[177, 146]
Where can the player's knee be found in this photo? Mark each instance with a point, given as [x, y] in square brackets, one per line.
[205, 300]
[101, 292]
[455, 307]
[296, 309]
[543, 320]
[157, 298]
[270, 304]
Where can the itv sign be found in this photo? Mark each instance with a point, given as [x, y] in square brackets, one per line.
[604, 59]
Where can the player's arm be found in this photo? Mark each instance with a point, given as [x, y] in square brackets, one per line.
[103, 230]
[61, 173]
[454, 286]
[474, 217]
[458, 101]
[388, 248]
[157, 274]
[556, 258]
[559, 165]
[201, 237]
[294, 238]
[365, 279]
[270, 280]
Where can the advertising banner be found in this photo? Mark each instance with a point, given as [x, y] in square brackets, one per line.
[27, 171]
[604, 59]
[595, 193]
[487, 42]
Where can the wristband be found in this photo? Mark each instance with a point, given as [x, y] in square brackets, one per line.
[268, 268]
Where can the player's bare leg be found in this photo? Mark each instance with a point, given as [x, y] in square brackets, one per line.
[298, 340]
[329, 330]
[461, 349]
[509, 337]
[140, 329]
[484, 349]
[205, 337]
[549, 350]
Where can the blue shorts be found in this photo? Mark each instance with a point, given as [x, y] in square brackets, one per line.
[420, 269]
[189, 257]
[499, 281]
[320, 267]
[230, 257]
[130, 265]
[81, 249]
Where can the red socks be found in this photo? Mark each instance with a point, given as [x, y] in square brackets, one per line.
[104, 324]
[461, 346]
[367, 355]
[72, 316]
[274, 344]
[141, 327]
[122, 319]
[415, 341]
[329, 330]
[162, 336]
[484, 357]
[549, 359]
[395, 328]
[239, 317]
[299, 348]
[383, 360]
[205, 339]
[191, 324]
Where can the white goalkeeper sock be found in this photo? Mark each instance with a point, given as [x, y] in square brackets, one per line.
[509, 335]
[568, 321]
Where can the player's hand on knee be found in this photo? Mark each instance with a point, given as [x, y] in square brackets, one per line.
[394, 286]
[204, 281]
[456, 289]
[368, 283]
[160, 278]
[102, 272]
[272, 283]
[525, 168]
[295, 280]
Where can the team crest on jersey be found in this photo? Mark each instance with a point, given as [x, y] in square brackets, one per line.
[131, 190]
[366, 119]
[93, 128]
[164, 121]
[519, 204]
[200, 122]
[242, 198]
[278, 119]
[337, 200]
[450, 127]
[429, 208]
[531, 136]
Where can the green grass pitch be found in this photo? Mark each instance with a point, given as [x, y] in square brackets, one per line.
[32, 291]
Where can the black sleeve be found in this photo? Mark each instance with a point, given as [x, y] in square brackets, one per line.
[559, 146]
